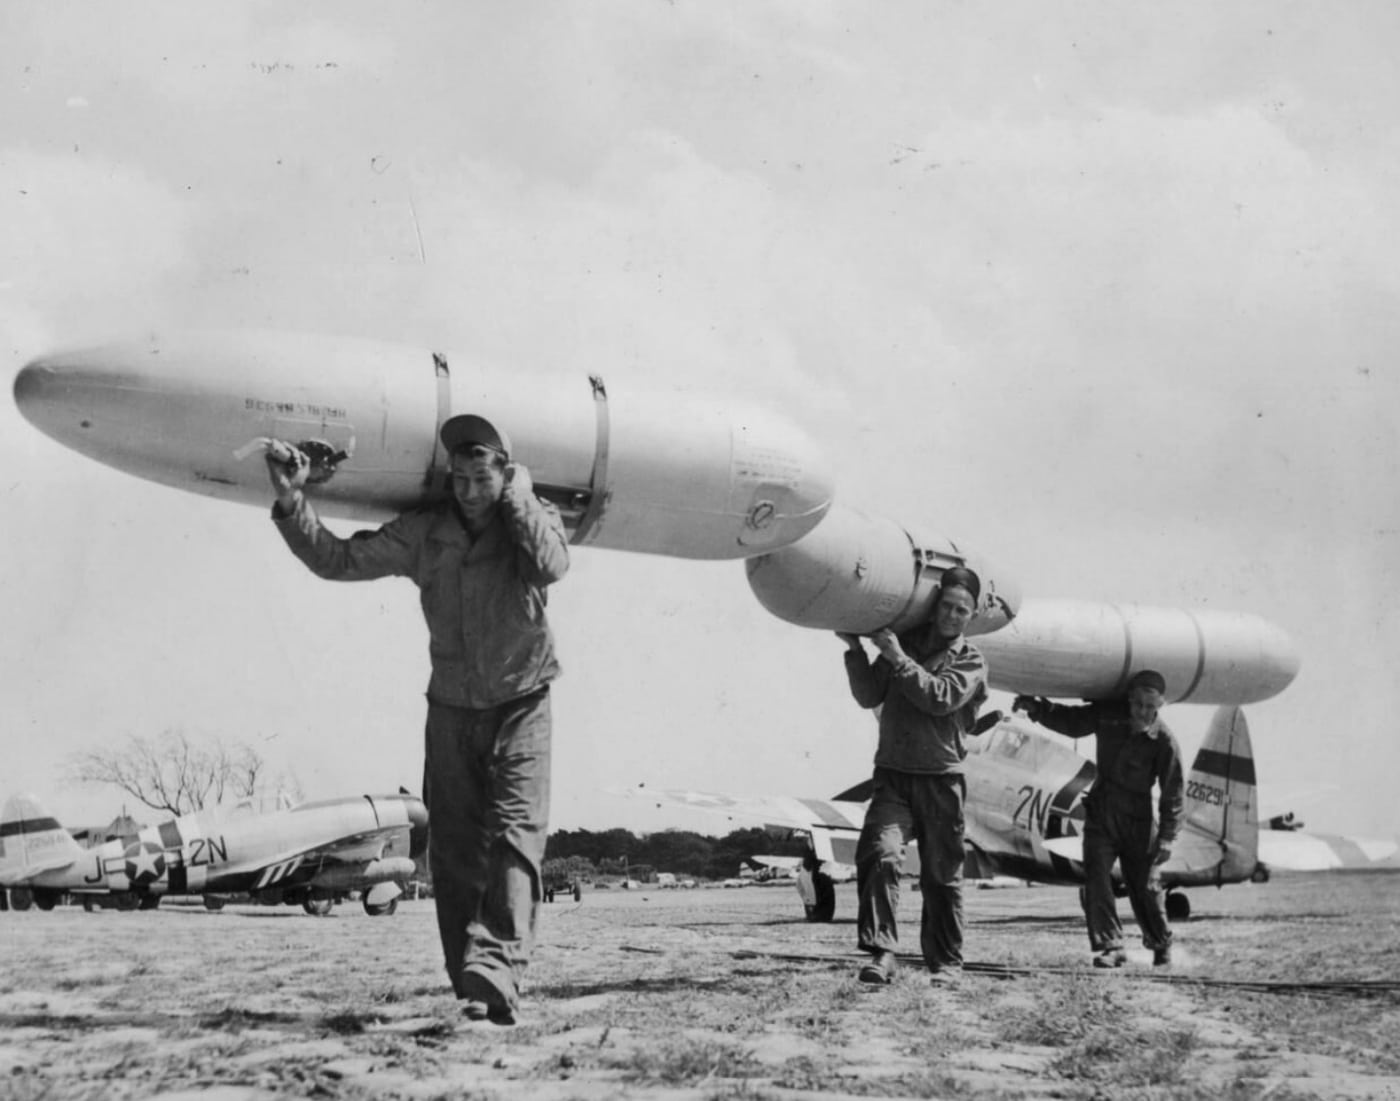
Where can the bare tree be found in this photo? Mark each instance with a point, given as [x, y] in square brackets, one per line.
[171, 772]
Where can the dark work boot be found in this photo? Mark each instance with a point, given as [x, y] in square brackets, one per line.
[880, 970]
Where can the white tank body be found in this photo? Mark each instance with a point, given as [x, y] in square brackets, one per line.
[858, 573]
[1088, 650]
[648, 472]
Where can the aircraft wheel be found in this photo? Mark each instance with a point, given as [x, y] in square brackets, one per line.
[1178, 907]
[824, 909]
[213, 903]
[45, 900]
[1260, 873]
[125, 901]
[382, 910]
[89, 904]
[150, 902]
[318, 907]
[21, 898]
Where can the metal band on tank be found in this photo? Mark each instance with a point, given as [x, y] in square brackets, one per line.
[598, 478]
[1128, 655]
[1200, 657]
[1127, 650]
[436, 474]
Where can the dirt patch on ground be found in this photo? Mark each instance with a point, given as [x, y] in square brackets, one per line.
[1287, 990]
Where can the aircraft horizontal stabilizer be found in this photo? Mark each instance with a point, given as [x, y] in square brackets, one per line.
[1189, 853]
[1295, 851]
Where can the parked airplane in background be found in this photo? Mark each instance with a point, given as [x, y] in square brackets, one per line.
[654, 473]
[308, 854]
[1025, 814]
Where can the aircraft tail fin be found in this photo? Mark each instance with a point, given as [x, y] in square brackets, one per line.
[1222, 799]
[860, 793]
[32, 841]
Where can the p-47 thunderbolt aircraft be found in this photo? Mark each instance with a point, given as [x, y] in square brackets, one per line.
[308, 854]
[1025, 814]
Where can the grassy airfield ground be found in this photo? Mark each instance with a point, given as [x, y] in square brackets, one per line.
[710, 994]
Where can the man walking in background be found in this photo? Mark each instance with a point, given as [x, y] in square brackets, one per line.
[1135, 749]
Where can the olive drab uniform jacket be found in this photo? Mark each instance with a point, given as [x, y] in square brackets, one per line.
[1128, 763]
[928, 701]
[483, 598]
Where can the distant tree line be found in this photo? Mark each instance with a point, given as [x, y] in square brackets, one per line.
[585, 855]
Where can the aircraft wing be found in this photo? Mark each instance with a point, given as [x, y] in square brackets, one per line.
[784, 811]
[1295, 851]
[362, 846]
[833, 825]
[296, 862]
[1190, 853]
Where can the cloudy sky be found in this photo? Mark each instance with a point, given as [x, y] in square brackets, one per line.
[1107, 291]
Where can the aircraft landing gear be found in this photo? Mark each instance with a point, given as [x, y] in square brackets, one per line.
[383, 909]
[1178, 906]
[318, 907]
[213, 903]
[823, 907]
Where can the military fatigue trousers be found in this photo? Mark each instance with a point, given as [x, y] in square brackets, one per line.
[486, 785]
[1114, 831]
[926, 809]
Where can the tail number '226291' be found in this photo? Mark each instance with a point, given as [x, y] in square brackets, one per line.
[1205, 793]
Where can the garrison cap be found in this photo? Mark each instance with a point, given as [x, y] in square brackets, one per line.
[962, 578]
[467, 429]
[1148, 678]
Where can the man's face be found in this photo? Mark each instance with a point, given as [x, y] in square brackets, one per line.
[476, 484]
[1143, 705]
[953, 612]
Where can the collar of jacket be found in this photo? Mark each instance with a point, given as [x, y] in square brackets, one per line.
[451, 527]
[925, 643]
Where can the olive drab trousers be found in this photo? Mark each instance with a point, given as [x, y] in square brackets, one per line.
[926, 809]
[486, 785]
[1120, 828]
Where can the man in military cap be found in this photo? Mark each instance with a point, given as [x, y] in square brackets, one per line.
[1135, 749]
[928, 683]
[482, 560]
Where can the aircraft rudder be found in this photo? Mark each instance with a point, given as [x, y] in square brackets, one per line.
[32, 840]
[1221, 798]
